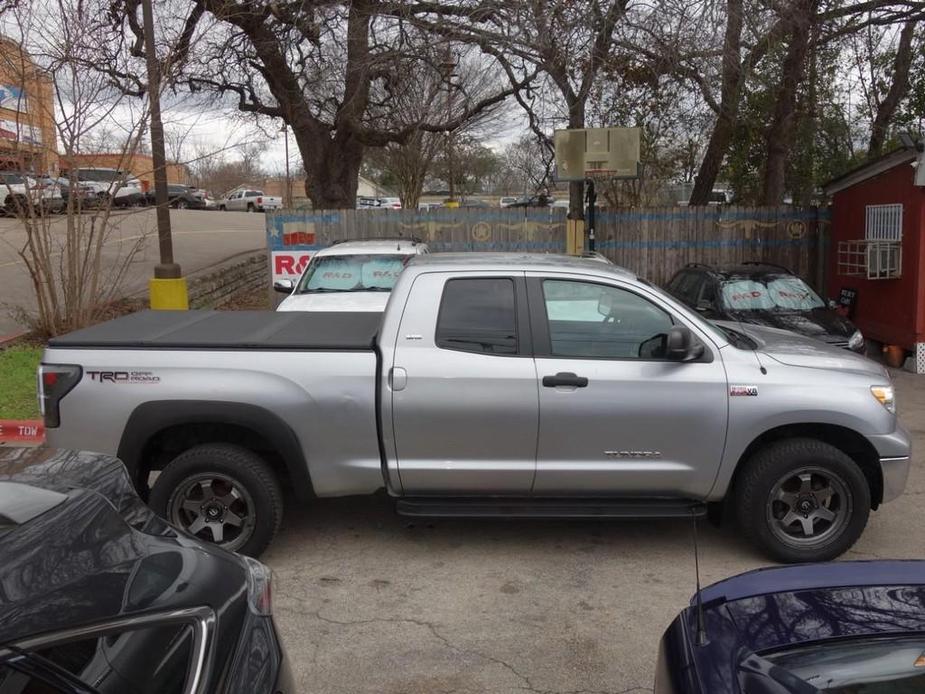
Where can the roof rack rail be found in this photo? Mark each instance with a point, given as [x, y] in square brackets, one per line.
[761, 262]
[412, 239]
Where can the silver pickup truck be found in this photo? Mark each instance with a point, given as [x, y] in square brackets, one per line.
[492, 385]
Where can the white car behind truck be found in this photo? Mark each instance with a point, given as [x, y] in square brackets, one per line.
[350, 276]
[250, 201]
[491, 385]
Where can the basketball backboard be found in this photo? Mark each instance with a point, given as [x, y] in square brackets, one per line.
[597, 153]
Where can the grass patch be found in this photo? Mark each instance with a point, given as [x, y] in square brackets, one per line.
[17, 382]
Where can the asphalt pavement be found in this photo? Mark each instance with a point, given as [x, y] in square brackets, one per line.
[202, 239]
[368, 601]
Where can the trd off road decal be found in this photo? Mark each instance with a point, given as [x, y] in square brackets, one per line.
[134, 377]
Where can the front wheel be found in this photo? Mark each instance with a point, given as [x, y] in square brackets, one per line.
[802, 500]
[223, 494]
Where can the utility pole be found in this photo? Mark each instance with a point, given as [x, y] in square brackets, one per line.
[287, 198]
[449, 65]
[168, 286]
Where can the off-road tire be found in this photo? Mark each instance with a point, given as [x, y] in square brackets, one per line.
[760, 478]
[245, 468]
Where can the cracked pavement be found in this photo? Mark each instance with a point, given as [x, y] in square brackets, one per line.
[368, 601]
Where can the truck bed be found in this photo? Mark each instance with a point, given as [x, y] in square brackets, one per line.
[226, 330]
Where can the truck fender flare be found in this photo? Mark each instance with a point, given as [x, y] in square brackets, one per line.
[151, 418]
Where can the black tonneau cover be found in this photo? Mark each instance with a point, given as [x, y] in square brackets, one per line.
[268, 330]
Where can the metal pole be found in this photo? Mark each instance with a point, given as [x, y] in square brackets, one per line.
[167, 269]
[590, 199]
[288, 200]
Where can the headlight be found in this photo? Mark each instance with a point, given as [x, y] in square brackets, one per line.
[856, 341]
[884, 395]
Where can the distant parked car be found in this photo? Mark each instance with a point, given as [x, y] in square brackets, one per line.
[180, 197]
[365, 202]
[100, 595]
[507, 201]
[390, 203]
[350, 276]
[121, 187]
[533, 201]
[20, 192]
[250, 201]
[430, 205]
[838, 628]
[763, 294]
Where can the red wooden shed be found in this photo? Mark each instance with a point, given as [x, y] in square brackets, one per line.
[876, 259]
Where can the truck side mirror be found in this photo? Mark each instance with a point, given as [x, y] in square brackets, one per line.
[283, 286]
[680, 345]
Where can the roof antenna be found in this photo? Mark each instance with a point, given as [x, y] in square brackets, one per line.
[701, 626]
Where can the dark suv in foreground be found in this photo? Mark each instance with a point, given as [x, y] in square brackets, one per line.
[763, 294]
[97, 594]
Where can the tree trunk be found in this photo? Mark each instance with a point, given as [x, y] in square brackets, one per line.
[780, 132]
[332, 168]
[576, 189]
[728, 107]
[899, 87]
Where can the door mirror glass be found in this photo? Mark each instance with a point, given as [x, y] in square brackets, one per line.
[680, 344]
[283, 286]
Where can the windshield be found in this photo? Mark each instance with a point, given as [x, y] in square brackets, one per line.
[892, 665]
[782, 293]
[352, 273]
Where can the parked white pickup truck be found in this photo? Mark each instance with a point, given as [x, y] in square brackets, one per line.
[491, 385]
[250, 201]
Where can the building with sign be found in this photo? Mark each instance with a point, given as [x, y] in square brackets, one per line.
[27, 126]
[876, 265]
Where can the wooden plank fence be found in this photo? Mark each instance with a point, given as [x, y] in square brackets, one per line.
[652, 242]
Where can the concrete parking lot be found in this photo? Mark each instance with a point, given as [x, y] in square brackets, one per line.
[370, 602]
[202, 239]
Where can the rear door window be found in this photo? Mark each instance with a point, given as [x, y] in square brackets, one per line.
[478, 315]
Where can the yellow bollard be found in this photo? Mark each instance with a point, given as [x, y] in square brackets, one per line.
[168, 294]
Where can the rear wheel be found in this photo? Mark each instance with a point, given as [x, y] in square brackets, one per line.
[250, 207]
[223, 494]
[222, 208]
[802, 500]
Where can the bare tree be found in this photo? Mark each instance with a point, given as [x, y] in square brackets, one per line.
[324, 68]
[885, 107]
[78, 262]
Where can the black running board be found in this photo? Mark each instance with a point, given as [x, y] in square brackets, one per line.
[500, 507]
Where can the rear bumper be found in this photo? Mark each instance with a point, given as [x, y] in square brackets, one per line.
[895, 451]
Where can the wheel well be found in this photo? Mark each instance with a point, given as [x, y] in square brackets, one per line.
[848, 441]
[168, 443]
